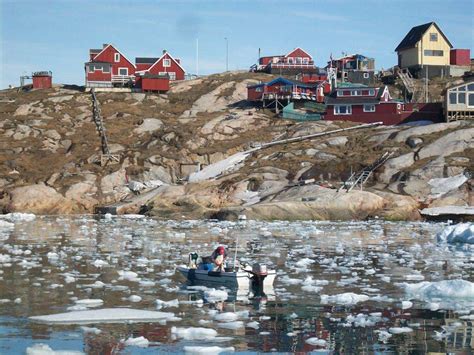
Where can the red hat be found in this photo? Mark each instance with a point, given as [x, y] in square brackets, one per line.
[220, 250]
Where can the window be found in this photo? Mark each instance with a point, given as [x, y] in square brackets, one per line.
[462, 98]
[433, 53]
[453, 98]
[366, 75]
[371, 92]
[172, 75]
[162, 73]
[117, 57]
[305, 60]
[259, 89]
[290, 60]
[91, 68]
[299, 60]
[470, 87]
[369, 108]
[342, 109]
[356, 92]
[166, 63]
[462, 88]
[106, 68]
[123, 71]
[433, 37]
[471, 100]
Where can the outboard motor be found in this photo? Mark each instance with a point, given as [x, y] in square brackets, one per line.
[259, 272]
[193, 258]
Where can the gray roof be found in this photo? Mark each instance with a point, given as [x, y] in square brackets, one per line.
[415, 34]
[145, 60]
[351, 101]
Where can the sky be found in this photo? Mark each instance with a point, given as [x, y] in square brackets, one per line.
[56, 35]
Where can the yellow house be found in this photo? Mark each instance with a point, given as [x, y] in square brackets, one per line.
[424, 45]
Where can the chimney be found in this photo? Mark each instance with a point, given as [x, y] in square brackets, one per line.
[104, 45]
[164, 51]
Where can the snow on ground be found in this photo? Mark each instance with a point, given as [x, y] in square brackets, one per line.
[458, 233]
[213, 170]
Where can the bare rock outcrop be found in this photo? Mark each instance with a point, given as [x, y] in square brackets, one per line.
[39, 199]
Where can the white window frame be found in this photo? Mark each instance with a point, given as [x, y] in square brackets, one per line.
[337, 110]
[166, 63]
[366, 75]
[93, 68]
[306, 60]
[372, 108]
[452, 95]
[172, 75]
[469, 93]
[371, 92]
[120, 68]
[162, 73]
[116, 57]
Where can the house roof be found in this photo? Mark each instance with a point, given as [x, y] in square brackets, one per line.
[171, 57]
[415, 34]
[110, 45]
[145, 60]
[301, 49]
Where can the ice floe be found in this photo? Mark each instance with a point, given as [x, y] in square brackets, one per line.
[207, 350]
[347, 299]
[105, 315]
[194, 333]
[44, 349]
[458, 233]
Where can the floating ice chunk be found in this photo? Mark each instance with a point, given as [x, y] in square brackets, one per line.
[458, 233]
[213, 295]
[289, 281]
[316, 341]
[128, 275]
[92, 330]
[231, 325]
[133, 216]
[194, 333]
[400, 330]
[69, 279]
[18, 217]
[348, 298]
[441, 289]
[407, 304]
[44, 349]
[141, 342]
[414, 277]
[5, 258]
[105, 315]
[134, 298]
[226, 317]
[164, 304]
[207, 350]
[90, 302]
[254, 325]
[4, 225]
[100, 263]
[383, 335]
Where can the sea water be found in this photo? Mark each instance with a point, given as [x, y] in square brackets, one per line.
[349, 287]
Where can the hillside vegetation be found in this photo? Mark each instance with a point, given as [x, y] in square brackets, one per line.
[51, 152]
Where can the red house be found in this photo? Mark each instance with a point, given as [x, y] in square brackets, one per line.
[298, 60]
[108, 67]
[166, 65]
[286, 89]
[371, 104]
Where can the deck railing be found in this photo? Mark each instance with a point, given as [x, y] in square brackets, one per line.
[122, 79]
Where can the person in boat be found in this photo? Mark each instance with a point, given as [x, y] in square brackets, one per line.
[218, 257]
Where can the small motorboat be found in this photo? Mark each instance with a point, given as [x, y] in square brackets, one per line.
[256, 276]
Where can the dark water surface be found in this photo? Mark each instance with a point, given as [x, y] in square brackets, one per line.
[339, 288]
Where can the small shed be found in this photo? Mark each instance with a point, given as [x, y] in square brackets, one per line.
[42, 80]
[152, 82]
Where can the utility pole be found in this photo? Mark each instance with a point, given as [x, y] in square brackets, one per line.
[197, 56]
[226, 54]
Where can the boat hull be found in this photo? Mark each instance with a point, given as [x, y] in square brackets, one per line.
[241, 279]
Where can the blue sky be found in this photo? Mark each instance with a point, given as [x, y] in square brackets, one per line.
[57, 34]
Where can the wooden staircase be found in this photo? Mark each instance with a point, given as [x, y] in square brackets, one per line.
[360, 178]
[407, 80]
[106, 157]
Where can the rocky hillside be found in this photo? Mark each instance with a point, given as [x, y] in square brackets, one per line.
[51, 150]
